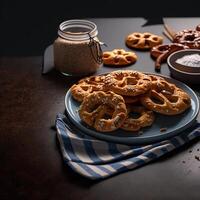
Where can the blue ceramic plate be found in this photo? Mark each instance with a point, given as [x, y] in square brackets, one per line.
[173, 124]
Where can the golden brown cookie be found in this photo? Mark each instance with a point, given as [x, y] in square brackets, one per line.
[86, 86]
[103, 111]
[131, 99]
[119, 57]
[127, 82]
[145, 118]
[165, 98]
[143, 41]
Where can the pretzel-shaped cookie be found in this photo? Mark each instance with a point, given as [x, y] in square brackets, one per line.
[98, 105]
[146, 118]
[86, 86]
[143, 40]
[127, 82]
[119, 57]
[93, 80]
[131, 99]
[188, 37]
[165, 98]
[161, 52]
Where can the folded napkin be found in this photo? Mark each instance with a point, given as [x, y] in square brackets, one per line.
[97, 159]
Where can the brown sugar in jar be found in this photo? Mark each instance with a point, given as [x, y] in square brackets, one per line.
[77, 49]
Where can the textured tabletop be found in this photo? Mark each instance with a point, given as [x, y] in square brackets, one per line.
[31, 164]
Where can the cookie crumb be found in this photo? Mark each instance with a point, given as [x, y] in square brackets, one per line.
[190, 151]
[183, 161]
[197, 149]
[140, 132]
[163, 129]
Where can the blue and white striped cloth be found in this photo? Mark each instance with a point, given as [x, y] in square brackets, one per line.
[97, 159]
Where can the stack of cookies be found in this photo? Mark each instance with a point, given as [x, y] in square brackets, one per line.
[111, 101]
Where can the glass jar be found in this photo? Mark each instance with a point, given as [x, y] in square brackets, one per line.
[77, 49]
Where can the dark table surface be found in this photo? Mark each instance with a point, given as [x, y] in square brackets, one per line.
[31, 166]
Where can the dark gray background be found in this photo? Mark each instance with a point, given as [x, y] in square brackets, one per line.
[27, 27]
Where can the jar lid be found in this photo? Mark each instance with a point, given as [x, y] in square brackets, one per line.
[77, 29]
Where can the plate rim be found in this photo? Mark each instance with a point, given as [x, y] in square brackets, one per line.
[141, 139]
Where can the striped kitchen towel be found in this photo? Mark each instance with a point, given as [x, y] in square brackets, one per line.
[97, 159]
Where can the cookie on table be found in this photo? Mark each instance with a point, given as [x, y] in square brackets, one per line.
[119, 57]
[143, 41]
